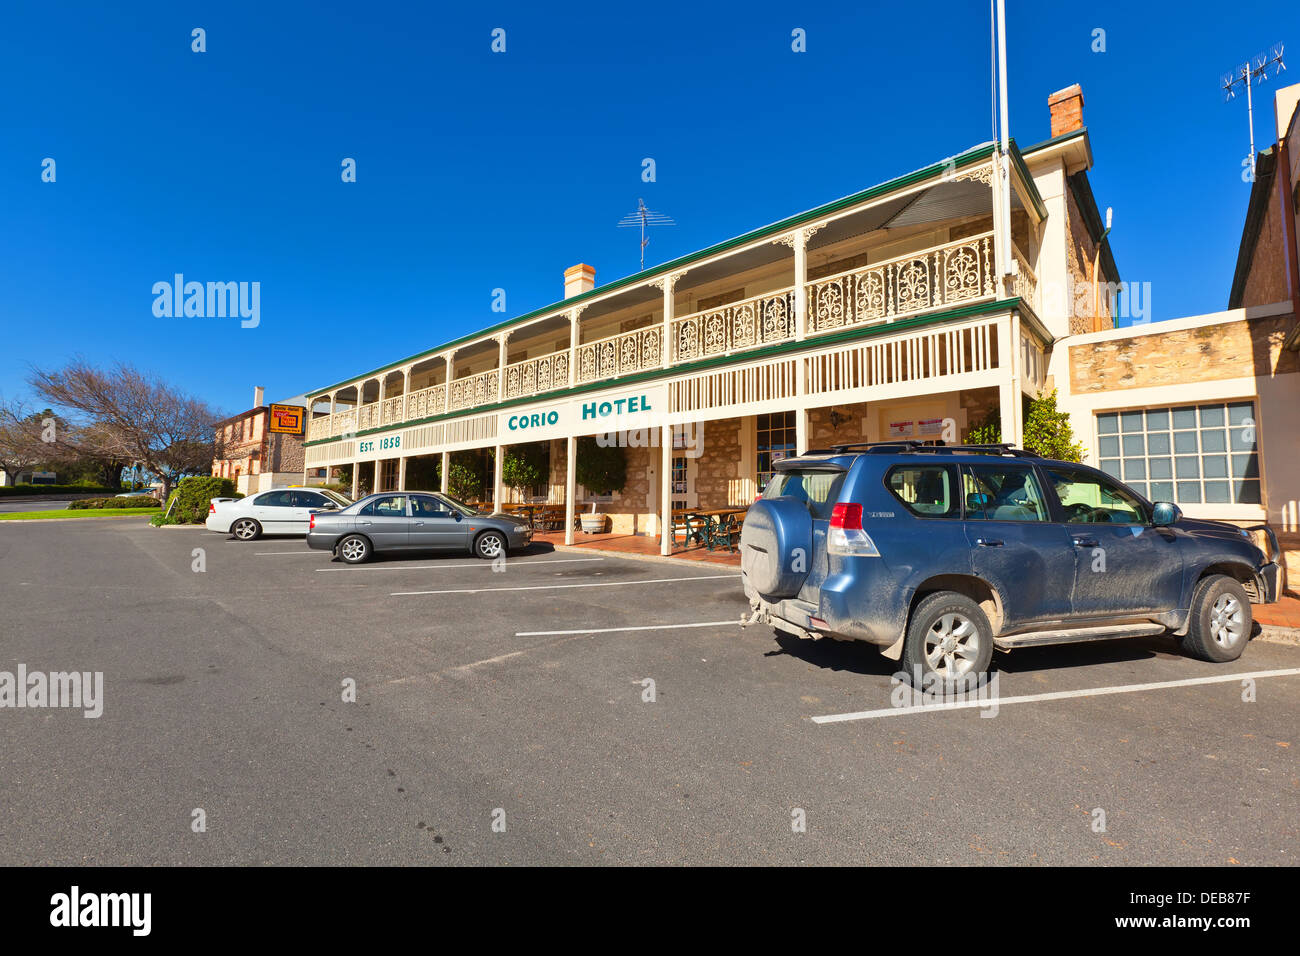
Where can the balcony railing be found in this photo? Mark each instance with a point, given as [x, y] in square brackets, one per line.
[474, 390]
[930, 279]
[749, 323]
[621, 354]
[1026, 282]
[536, 375]
[426, 401]
[940, 277]
[391, 410]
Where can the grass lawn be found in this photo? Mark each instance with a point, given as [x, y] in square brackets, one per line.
[80, 513]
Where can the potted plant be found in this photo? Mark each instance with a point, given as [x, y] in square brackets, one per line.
[602, 470]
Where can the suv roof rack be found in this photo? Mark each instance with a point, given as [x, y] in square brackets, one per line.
[912, 446]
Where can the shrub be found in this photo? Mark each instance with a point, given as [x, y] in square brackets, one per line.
[1047, 431]
[135, 501]
[192, 496]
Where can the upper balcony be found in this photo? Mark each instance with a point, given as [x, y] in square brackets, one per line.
[901, 255]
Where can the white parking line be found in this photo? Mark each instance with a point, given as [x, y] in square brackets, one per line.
[263, 554]
[1054, 695]
[560, 587]
[517, 562]
[611, 630]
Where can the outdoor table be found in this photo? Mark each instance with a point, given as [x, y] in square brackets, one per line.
[720, 525]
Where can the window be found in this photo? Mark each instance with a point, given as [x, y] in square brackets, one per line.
[422, 507]
[276, 499]
[1190, 454]
[1088, 499]
[312, 499]
[925, 490]
[388, 473]
[819, 490]
[999, 493]
[389, 506]
[681, 481]
[775, 441]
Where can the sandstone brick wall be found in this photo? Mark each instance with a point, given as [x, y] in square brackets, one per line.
[1208, 353]
[1079, 253]
[286, 453]
[1266, 280]
[719, 466]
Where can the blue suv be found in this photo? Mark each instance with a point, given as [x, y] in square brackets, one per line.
[941, 554]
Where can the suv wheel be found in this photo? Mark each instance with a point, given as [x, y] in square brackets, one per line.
[354, 549]
[246, 529]
[1221, 620]
[949, 637]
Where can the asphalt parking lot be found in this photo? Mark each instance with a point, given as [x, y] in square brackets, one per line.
[518, 697]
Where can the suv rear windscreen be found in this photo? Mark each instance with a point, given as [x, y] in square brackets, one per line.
[819, 490]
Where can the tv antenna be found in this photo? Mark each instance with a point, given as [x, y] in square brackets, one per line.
[644, 217]
[1251, 73]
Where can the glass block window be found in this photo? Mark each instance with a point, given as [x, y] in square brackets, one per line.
[1188, 454]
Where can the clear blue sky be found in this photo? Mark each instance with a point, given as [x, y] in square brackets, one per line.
[479, 170]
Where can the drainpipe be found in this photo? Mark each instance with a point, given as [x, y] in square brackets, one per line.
[1096, 261]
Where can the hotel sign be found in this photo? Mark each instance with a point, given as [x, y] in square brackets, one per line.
[632, 408]
[287, 419]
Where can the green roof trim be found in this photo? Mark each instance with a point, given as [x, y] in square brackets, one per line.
[849, 335]
[976, 154]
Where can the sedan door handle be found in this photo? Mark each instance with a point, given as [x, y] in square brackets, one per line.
[363, 522]
[419, 524]
[988, 543]
[1085, 542]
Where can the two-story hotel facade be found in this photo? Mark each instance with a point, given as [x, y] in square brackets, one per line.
[917, 308]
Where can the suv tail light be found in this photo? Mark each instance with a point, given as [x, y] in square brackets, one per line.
[846, 536]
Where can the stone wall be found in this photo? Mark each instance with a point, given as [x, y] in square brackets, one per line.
[719, 466]
[1202, 354]
[1079, 253]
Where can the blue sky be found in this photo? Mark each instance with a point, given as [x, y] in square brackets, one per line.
[478, 170]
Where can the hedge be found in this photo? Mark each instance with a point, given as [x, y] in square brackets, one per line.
[193, 495]
[135, 501]
[19, 490]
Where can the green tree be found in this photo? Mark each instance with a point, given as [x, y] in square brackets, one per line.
[601, 470]
[464, 475]
[525, 466]
[1047, 430]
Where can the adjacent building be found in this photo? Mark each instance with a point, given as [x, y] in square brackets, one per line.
[256, 453]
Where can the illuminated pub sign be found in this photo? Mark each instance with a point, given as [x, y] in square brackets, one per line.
[287, 419]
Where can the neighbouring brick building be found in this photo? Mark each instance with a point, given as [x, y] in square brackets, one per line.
[252, 455]
[1204, 411]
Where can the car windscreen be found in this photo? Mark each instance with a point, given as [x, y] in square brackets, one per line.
[818, 490]
[341, 500]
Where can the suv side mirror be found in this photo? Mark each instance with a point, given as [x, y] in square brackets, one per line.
[1163, 513]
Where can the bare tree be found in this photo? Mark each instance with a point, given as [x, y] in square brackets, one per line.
[128, 416]
[27, 438]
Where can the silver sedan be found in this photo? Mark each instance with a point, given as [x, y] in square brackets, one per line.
[414, 521]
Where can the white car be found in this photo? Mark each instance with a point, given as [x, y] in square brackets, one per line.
[280, 511]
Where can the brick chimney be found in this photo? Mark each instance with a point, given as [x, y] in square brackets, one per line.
[1067, 110]
[578, 279]
[257, 396]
